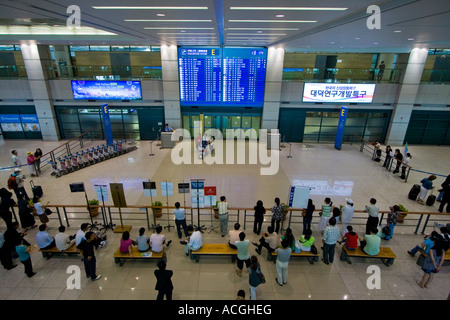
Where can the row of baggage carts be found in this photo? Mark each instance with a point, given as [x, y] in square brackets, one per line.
[87, 157]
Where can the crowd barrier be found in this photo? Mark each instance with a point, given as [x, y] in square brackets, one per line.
[201, 217]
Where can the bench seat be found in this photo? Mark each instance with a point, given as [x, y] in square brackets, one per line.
[386, 255]
[219, 249]
[47, 253]
[120, 257]
[303, 254]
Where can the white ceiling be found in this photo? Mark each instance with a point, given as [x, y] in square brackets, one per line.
[404, 23]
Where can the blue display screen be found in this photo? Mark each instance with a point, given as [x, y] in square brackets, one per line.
[106, 90]
[232, 77]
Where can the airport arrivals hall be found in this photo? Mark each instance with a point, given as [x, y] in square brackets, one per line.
[224, 150]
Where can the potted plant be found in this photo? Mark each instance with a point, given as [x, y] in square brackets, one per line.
[285, 210]
[157, 211]
[93, 211]
[402, 213]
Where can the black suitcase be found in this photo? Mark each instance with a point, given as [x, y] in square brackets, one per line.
[37, 190]
[414, 192]
[431, 199]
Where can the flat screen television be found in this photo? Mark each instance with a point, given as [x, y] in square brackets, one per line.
[106, 90]
[77, 187]
[338, 92]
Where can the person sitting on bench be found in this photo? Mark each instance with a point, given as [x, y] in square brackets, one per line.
[194, 242]
[157, 240]
[43, 239]
[269, 240]
[370, 243]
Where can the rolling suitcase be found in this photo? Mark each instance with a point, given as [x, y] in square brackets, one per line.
[37, 190]
[431, 199]
[414, 192]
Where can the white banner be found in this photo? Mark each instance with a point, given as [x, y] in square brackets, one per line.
[338, 92]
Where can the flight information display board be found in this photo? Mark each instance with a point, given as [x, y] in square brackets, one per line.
[232, 77]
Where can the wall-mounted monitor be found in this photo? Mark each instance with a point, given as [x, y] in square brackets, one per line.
[338, 92]
[216, 76]
[106, 90]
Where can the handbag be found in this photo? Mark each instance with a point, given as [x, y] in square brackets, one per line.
[313, 249]
[262, 277]
[386, 230]
[48, 211]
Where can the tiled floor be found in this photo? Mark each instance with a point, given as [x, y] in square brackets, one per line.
[337, 174]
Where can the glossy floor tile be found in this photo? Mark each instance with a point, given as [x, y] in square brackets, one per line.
[338, 174]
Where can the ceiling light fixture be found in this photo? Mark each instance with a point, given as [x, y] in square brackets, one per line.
[145, 20]
[397, 31]
[160, 15]
[290, 8]
[276, 21]
[146, 8]
[280, 16]
[176, 28]
[272, 29]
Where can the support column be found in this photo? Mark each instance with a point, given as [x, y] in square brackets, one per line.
[406, 97]
[272, 95]
[171, 93]
[37, 60]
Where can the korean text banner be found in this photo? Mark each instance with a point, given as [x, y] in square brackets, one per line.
[338, 92]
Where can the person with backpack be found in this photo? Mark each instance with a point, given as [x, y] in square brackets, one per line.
[15, 182]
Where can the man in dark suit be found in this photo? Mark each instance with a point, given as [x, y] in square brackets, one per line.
[163, 281]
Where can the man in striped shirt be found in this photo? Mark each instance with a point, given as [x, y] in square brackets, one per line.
[330, 237]
[222, 206]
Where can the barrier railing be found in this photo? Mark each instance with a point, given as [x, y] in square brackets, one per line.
[73, 145]
[369, 148]
[200, 217]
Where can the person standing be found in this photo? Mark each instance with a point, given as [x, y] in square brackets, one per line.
[15, 159]
[433, 263]
[387, 159]
[381, 68]
[87, 250]
[277, 215]
[347, 214]
[25, 214]
[222, 206]
[392, 221]
[40, 210]
[30, 162]
[373, 211]
[260, 211]
[399, 157]
[37, 160]
[180, 220]
[256, 276]
[5, 253]
[24, 257]
[405, 164]
[330, 237]
[163, 281]
[427, 184]
[308, 215]
[234, 235]
[325, 215]
[6, 203]
[446, 195]
[284, 254]
[243, 254]
[19, 188]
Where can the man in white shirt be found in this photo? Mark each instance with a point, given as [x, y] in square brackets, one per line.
[157, 240]
[194, 242]
[234, 235]
[81, 233]
[62, 240]
[15, 159]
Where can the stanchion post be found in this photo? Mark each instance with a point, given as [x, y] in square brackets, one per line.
[289, 156]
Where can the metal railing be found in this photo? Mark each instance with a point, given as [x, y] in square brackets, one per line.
[72, 146]
[200, 217]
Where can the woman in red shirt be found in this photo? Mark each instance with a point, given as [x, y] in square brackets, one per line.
[350, 239]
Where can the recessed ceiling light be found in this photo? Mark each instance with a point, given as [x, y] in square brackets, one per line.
[160, 15]
[280, 16]
[145, 20]
[397, 31]
[146, 8]
[357, 38]
[375, 43]
[332, 42]
[275, 21]
[410, 39]
[183, 31]
[273, 29]
[290, 8]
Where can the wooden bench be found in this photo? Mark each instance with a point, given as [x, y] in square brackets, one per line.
[303, 254]
[220, 249]
[48, 253]
[386, 255]
[423, 256]
[120, 257]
